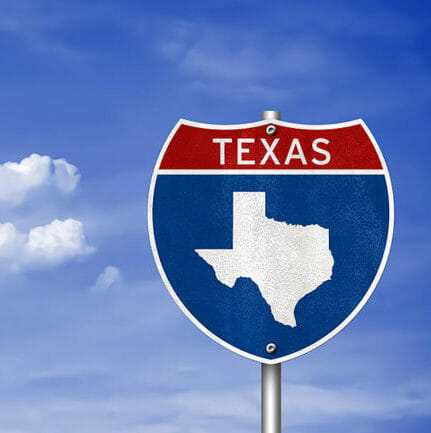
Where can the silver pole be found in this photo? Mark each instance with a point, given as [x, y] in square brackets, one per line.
[271, 115]
[271, 398]
[271, 374]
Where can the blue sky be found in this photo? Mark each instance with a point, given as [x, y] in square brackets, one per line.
[90, 340]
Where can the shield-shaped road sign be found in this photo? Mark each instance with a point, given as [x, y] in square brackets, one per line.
[270, 236]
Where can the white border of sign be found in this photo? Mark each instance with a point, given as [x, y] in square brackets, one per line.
[364, 300]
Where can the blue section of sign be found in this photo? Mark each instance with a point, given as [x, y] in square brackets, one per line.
[195, 211]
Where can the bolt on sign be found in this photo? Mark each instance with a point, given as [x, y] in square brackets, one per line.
[270, 236]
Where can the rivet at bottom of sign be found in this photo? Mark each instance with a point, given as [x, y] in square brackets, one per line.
[271, 129]
[271, 347]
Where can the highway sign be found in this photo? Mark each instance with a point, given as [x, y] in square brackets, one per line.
[270, 236]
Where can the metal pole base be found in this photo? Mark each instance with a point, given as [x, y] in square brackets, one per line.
[271, 398]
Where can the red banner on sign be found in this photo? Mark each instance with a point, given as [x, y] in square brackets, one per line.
[334, 147]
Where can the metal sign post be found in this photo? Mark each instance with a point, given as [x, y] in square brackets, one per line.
[271, 373]
[271, 398]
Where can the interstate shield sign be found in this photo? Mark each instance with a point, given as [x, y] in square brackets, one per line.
[270, 236]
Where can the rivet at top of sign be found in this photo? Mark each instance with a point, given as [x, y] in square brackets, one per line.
[271, 129]
[271, 347]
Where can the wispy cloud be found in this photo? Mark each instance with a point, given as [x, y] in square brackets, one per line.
[313, 405]
[322, 60]
[230, 59]
[239, 408]
[220, 55]
[316, 405]
[110, 278]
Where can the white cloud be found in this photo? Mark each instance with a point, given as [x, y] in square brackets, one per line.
[66, 175]
[56, 242]
[111, 277]
[42, 246]
[18, 179]
[46, 245]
